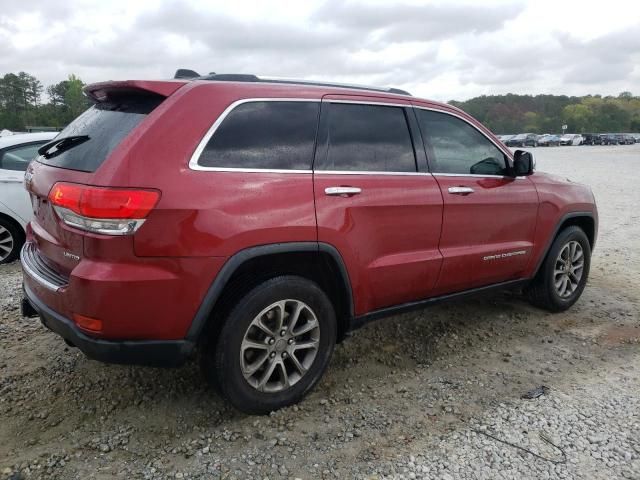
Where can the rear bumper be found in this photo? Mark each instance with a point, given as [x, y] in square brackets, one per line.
[156, 353]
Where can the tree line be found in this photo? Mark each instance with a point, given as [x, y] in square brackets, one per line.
[24, 102]
[548, 113]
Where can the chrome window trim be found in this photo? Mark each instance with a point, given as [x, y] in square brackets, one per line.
[367, 172]
[251, 170]
[475, 175]
[193, 162]
[502, 148]
[365, 102]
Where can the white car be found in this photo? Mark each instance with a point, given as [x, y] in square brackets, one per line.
[571, 139]
[16, 151]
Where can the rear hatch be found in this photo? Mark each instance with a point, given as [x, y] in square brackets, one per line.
[77, 153]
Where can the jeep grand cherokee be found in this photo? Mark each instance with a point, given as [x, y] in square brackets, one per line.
[257, 221]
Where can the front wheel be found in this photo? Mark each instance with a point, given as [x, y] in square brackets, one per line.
[274, 345]
[563, 275]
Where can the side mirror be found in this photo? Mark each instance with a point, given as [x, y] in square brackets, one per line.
[523, 163]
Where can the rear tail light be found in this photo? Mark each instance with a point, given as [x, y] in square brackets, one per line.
[109, 211]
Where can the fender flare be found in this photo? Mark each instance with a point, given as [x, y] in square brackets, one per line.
[236, 260]
[556, 230]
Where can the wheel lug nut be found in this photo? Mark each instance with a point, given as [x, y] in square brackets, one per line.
[272, 341]
[290, 341]
[285, 355]
[283, 333]
[272, 354]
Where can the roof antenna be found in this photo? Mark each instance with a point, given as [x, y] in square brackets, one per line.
[186, 73]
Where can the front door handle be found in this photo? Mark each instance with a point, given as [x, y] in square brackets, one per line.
[342, 191]
[461, 190]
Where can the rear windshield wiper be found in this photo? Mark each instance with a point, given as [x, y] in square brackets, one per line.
[59, 145]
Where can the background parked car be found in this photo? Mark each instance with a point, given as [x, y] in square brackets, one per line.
[591, 139]
[625, 139]
[16, 151]
[571, 139]
[504, 138]
[636, 137]
[609, 139]
[523, 140]
[548, 140]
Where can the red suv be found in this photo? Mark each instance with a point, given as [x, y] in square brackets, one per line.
[257, 221]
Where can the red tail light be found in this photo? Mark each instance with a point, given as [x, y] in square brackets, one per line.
[110, 211]
[100, 202]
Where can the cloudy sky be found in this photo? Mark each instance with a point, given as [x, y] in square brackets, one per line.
[436, 49]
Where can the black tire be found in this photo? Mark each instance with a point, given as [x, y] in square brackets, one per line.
[222, 367]
[12, 237]
[542, 291]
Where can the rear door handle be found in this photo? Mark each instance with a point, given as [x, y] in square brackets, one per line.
[461, 190]
[342, 191]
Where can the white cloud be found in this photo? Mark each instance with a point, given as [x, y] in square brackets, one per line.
[435, 49]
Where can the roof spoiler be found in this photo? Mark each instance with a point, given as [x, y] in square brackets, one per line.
[99, 92]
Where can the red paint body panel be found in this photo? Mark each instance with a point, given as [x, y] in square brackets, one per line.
[392, 237]
[387, 235]
[558, 197]
[498, 218]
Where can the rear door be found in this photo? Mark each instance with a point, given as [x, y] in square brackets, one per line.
[489, 217]
[375, 201]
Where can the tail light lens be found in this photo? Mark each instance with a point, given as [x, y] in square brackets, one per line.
[109, 211]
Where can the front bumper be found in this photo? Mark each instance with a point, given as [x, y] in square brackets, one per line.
[155, 353]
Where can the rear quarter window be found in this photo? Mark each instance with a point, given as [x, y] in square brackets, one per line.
[106, 124]
[274, 135]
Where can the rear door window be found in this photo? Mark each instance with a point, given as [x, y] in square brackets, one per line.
[367, 138]
[106, 124]
[271, 135]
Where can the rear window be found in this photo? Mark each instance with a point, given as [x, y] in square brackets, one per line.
[274, 135]
[106, 124]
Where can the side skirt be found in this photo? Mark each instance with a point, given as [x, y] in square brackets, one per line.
[360, 321]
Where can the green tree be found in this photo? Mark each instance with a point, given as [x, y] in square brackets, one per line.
[74, 99]
[578, 118]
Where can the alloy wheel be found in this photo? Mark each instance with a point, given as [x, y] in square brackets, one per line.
[568, 269]
[6, 243]
[280, 346]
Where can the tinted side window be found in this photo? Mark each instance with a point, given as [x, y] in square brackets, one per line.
[368, 138]
[265, 135]
[17, 158]
[458, 147]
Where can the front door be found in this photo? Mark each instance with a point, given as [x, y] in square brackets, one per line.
[372, 202]
[489, 217]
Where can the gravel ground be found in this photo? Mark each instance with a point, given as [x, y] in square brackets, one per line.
[432, 394]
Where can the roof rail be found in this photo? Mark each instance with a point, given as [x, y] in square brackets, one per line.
[242, 77]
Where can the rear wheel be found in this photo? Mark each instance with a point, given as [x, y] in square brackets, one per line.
[274, 345]
[563, 275]
[11, 241]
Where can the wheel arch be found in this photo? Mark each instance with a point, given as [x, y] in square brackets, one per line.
[319, 262]
[585, 220]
